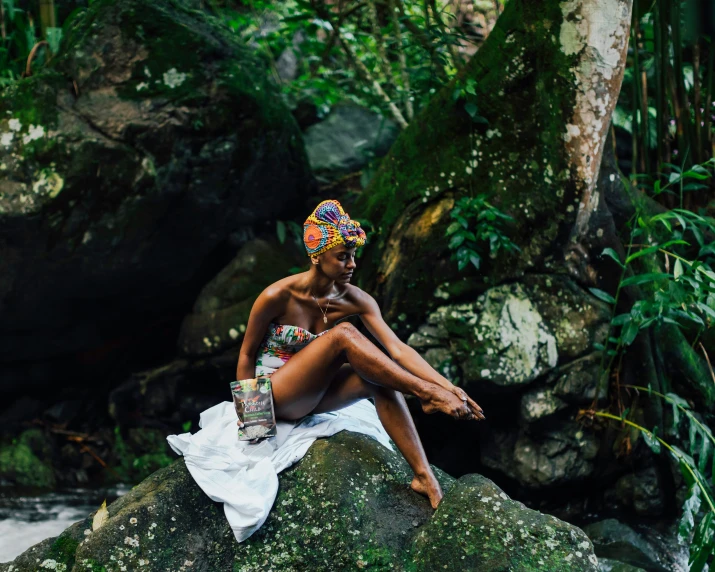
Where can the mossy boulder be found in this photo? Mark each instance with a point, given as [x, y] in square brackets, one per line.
[220, 313]
[153, 144]
[346, 505]
[26, 460]
[511, 334]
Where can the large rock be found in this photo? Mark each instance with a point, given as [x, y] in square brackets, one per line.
[345, 506]
[152, 140]
[619, 542]
[220, 314]
[565, 454]
[513, 333]
[347, 140]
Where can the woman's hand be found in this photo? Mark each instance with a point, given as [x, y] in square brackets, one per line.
[476, 411]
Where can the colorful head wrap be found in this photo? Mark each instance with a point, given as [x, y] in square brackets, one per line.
[328, 226]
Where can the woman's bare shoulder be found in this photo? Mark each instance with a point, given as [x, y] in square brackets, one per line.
[278, 293]
[358, 298]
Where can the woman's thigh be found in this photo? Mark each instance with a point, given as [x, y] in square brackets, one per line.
[346, 388]
[299, 385]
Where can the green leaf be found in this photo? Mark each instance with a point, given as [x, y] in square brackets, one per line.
[621, 319]
[629, 333]
[452, 228]
[677, 269]
[652, 442]
[652, 249]
[471, 109]
[281, 231]
[690, 510]
[701, 547]
[644, 278]
[601, 295]
[614, 255]
[704, 454]
[456, 241]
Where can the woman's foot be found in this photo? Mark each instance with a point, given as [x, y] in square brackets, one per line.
[428, 485]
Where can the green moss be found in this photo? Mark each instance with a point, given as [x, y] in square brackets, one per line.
[518, 159]
[145, 452]
[25, 461]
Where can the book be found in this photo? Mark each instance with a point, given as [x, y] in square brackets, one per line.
[253, 400]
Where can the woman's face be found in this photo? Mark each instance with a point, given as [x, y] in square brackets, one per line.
[338, 263]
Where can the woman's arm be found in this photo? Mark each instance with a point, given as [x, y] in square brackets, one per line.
[267, 306]
[400, 352]
[403, 354]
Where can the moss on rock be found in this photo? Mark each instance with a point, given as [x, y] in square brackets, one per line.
[346, 505]
[25, 461]
[478, 527]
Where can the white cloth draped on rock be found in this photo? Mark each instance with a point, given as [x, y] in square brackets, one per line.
[244, 476]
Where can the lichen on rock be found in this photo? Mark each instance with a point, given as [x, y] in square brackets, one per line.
[346, 505]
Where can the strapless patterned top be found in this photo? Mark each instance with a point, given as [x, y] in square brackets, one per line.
[281, 342]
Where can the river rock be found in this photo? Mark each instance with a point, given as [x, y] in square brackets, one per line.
[173, 393]
[150, 139]
[642, 492]
[515, 333]
[27, 460]
[540, 403]
[347, 140]
[220, 314]
[346, 505]
[618, 541]
[577, 381]
[542, 458]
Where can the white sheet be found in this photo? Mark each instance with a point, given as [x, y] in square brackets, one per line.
[244, 476]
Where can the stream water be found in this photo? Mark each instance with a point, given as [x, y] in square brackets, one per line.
[26, 520]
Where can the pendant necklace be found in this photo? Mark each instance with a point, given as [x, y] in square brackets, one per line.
[325, 314]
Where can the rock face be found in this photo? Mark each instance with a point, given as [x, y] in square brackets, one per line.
[220, 314]
[347, 140]
[154, 139]
[531, 342]
[346, 506]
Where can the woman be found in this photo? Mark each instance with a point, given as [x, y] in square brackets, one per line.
[337, 365]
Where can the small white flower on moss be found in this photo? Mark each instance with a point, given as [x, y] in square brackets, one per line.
[132, 520]
[142, 85]
[6, 139]
[35, 132]
[14, 125]
[173, 78]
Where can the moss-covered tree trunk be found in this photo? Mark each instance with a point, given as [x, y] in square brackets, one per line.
[547, 80]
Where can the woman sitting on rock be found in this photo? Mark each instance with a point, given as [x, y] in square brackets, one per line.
[337, 365]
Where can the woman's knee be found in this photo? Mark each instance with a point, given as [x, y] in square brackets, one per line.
[345, 331]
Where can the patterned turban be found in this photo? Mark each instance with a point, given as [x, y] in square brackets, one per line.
[328, 226]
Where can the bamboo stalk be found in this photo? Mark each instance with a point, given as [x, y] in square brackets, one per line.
[696, 102]
[660, 115]
[639, 94]
[680, 92]
[709, 100]
[635, 130]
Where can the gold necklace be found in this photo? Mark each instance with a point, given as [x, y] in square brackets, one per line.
[325, 314]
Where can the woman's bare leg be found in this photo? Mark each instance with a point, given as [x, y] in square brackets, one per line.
[299, 385]
[348, 387]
